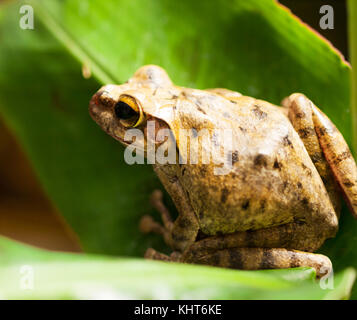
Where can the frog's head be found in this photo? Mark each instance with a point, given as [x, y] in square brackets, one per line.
[146, 96]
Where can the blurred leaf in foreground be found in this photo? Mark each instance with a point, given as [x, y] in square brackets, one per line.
[75, 276]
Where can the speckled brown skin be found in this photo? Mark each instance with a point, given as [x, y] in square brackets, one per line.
[301, 116]
[280, 195]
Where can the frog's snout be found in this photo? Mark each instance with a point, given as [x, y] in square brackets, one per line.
[94, 107]
[98, 110]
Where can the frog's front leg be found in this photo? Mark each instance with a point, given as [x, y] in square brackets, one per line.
[147, 224]
[325, 144]
[181, 233]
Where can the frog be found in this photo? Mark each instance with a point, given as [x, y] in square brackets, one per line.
[281, 198]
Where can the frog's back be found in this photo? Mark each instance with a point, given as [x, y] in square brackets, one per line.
[272, 180]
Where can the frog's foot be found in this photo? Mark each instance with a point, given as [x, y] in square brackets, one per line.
[152, 254]
[147, 223]
[264, 258]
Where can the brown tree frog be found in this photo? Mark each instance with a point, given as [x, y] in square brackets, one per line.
[279, 202]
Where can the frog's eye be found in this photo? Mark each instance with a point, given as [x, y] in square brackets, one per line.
[128, 111]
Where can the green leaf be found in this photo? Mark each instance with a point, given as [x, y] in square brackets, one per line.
[352, 20]
[255, 47]
[44, 100]
[73, 276]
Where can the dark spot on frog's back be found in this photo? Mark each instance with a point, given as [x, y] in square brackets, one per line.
[321, 131]
[259, 113]
[262, 205]
[343, 156]
[198, 105]
[305, 202]
[277, 164]
[306, 132]
[201, 110]
[224, 195]
[201, 215]
[348, 183]
[235, 157]
[260, 160]
[203, 170]
[317, 157]
[287, 142]
[173, 179]
[307, 169]
[245, 204]
[300, 115]
[283, 186]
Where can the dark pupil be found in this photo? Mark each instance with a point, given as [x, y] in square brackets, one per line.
[123, 111]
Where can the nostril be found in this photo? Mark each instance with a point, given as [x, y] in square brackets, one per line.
[105, 99]
[94, 108]
[95, 99]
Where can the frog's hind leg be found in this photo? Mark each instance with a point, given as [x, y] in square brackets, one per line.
[288, 243]
[334, 147]
[265, 258]
[301, 116]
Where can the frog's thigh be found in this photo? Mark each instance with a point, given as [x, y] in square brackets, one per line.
[184, 230]
[337, 154]
[265, 258]
[304, 237]
[301, 116]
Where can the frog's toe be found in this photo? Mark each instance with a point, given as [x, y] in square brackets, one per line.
[152, 254]
[176, 256]
[156, 200]
[148, 225]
